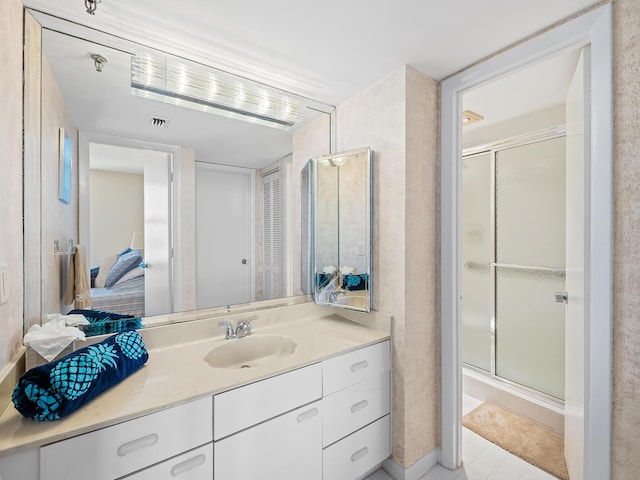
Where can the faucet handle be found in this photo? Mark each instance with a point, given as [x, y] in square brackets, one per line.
[244, 327]
[229, 333]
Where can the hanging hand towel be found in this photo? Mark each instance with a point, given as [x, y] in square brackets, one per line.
[78, 289]
[54, 390]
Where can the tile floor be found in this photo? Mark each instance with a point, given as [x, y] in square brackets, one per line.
[482, 460]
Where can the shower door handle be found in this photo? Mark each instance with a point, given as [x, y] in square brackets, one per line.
[561, 297]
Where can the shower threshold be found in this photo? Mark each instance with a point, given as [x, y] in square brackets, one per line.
[543, 409]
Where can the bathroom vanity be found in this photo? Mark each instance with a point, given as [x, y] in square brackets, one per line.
[321, 411]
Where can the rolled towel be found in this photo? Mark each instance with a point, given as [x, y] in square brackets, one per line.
[54, 390]
[105, 323]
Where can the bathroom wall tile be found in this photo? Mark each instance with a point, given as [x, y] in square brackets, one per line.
[546, 417]
[494, 394]
[527, 409]
[475, 388]
[510, 401]
[558, 421]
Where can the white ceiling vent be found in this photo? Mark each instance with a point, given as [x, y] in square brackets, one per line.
[159, 122]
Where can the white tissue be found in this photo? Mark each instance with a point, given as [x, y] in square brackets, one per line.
[347, 270]
[54, 336]
[328, 270]
[71, 320]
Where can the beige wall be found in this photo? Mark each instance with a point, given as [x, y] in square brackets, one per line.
[59, 220]
[626, 281]
[116, 211]
[11, 178]
[397, 118]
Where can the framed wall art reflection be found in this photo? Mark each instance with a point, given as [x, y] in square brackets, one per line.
[65, 164]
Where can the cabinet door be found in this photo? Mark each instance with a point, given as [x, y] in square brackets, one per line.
[288, 447]
[194, 465]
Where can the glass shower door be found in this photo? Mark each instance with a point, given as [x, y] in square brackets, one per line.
[477, 255]
[530, 265]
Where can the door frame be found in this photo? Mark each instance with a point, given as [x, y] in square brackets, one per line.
[85, 138]
[592, 28]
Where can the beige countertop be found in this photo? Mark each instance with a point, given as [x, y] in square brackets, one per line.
[178, 373]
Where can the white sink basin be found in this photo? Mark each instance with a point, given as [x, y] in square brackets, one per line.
[251, 351]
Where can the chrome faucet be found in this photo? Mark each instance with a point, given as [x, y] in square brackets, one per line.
[334, 295]
[229, 333]
[243, 328]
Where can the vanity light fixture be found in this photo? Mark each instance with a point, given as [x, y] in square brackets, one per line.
[469, 117]
[91, 6]
[337, 161]
[98, 61]
[192, 85]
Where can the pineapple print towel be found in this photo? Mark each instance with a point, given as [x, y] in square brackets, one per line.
[54, 390]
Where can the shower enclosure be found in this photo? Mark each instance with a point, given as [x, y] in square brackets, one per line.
[513, 250]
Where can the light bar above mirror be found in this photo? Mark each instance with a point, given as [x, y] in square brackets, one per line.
[182, 83]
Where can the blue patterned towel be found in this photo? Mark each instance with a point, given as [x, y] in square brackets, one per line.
[104, 323]
[54, 390]
[354, 281]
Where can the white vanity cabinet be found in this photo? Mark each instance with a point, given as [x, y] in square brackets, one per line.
[271, 428]
[127, 447]
[356, 411]
[325, 421]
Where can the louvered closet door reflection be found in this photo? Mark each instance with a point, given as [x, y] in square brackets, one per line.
[271, 236]
[530, 258]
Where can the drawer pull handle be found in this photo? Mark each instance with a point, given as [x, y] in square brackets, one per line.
[137, 444]
[187, 465]
[359, 454]
[304, 416]
[359, 366]
[359, 406]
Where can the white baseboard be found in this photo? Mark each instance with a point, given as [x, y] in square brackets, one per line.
[415, 471]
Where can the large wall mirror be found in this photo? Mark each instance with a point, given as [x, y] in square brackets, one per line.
[342, 222]
[205, 206]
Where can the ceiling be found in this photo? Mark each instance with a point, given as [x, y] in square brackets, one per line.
[327, 51]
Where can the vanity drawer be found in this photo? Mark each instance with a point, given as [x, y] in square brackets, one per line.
[254, 403]
[351, 368]
[194, 465]
[354, 407]
[124, 448]
[358, 453]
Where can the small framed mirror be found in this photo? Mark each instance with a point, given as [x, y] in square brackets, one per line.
[342, 219]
